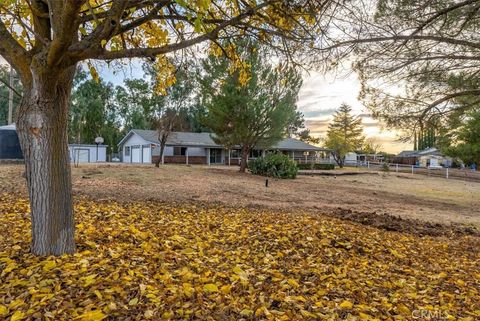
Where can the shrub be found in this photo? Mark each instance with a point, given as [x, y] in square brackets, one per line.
[316, 166]
[274, 165]
[385, 167]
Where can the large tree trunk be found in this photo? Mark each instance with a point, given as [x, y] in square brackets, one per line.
[244, 159]
[42, 127]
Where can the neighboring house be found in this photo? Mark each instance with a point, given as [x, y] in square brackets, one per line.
[429, 157]
[143, 146]
[351, 158]
[79, 153]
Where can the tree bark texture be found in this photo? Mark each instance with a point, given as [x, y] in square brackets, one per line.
[42, 127]
[243, 163]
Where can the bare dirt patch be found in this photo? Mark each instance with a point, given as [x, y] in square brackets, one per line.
[400, 202]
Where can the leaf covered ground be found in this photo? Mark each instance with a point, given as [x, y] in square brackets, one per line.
[141, 261]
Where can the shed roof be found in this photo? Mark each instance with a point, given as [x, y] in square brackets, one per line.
[189, 139]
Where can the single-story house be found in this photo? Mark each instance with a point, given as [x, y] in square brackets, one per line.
[429, 157]
[79, 153]
[143, 146]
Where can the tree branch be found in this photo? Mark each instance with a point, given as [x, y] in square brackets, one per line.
[14, 54]
[100, 53]
[10, 87]
[439, 39]
[41, 21]
[64, 37]
[447, 98]
[441, 13]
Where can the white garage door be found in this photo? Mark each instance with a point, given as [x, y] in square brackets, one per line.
[136, 154]
[81, 155]
[146, 154]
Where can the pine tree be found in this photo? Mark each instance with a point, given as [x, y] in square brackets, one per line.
[345, 134]
[256, 111]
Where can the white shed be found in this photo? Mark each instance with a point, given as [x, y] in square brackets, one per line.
[83, 153]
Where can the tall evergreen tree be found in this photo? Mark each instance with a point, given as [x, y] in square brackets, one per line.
[93, 113]
[461, 138]
[345, 134]
[137, 103]
[249, 110]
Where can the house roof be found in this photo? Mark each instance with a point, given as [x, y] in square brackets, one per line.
[407, 153]
[415, 153]
[295, 144]
[189, 139]
[430, 151]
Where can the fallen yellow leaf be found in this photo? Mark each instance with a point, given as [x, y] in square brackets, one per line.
[94, 315]
[17, 315]
[209, 288]
[346, 304]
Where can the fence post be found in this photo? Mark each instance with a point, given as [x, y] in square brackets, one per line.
[368, 164]
[412, 169]
[396, 168]
[447, 172]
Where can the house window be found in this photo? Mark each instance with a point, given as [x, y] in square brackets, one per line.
[235, 153]
[127, 150]
[179, 151]
[254, 153]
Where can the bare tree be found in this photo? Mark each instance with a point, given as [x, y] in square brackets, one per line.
[171, 120]
[172, 115]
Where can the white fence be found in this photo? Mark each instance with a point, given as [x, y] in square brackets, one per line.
[465, 174]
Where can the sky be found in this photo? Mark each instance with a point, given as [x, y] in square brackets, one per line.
[322, 94]
[319, 97]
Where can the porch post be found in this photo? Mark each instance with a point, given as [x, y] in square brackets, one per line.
[229, 155]
[208, 156]
[186, 155]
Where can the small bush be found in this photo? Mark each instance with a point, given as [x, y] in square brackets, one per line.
[274, 165]
[316, 166]
[386, 167]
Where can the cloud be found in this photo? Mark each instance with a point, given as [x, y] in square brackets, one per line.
[317, 122]
[319, 113]
[370, 124]
[365, 115]
[321, 95]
